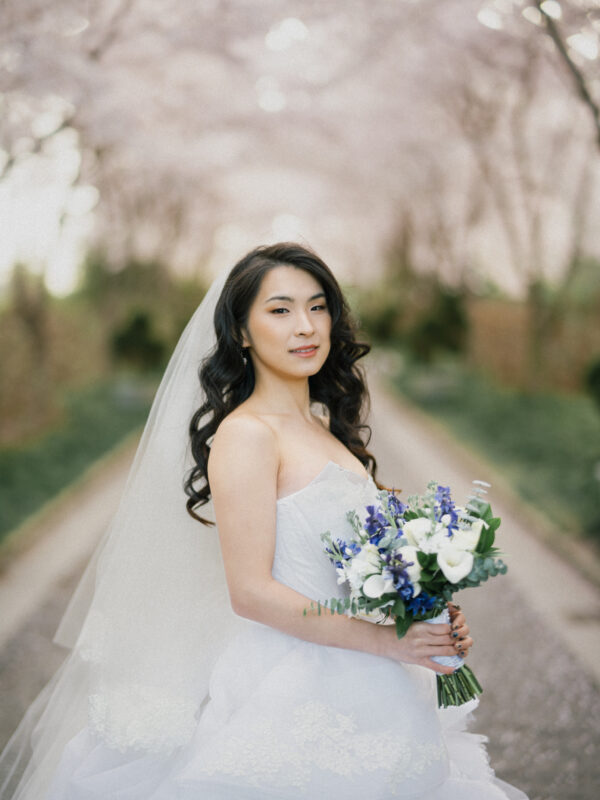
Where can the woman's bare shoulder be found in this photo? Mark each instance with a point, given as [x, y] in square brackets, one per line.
[243, 441]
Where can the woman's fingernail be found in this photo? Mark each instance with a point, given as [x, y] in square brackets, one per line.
[462, 638]
[455, 635]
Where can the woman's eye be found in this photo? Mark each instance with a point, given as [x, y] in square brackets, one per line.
[278, 310]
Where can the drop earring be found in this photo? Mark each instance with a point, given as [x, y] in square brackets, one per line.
[243, 355]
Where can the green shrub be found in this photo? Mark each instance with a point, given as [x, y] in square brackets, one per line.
[592, 380]
[94, 420]
[547, 444]
[442, 327]
[135, 343]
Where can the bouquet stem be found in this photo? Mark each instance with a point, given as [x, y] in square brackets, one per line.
[462, 685]
[457, 688]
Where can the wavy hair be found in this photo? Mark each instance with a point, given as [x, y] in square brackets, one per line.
[226, 381]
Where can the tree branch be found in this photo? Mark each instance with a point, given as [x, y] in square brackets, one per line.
[580, 81]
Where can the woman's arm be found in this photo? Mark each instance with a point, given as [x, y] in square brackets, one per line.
[242, 468]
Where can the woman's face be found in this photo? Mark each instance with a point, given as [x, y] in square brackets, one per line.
[289, 312]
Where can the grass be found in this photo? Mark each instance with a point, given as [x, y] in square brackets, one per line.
[546, 444]
[95, 420]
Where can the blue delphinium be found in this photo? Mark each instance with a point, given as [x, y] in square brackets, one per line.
[420, 604]
[444, 504]
[395, 568]
[375, 524]
[396, 508]
[342, 551]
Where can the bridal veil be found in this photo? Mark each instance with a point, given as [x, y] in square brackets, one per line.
[151, 612]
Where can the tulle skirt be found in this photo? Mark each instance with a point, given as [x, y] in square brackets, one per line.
[289, 719]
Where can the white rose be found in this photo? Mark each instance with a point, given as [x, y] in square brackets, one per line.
[355, 575]
[377, 585]
[454, 562]
[364, 563]
[370, 555]
[409, 553]
[468, 538]
[437, 541]
[416, 530]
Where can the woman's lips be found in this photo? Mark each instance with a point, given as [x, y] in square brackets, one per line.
[305, 352]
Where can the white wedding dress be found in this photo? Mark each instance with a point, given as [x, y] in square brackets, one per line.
[286, 718]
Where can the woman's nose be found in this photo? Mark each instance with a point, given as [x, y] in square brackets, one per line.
[303, 323]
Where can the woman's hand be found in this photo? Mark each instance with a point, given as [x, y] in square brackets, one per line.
[424, 640]
[459, 631]
[420, 642]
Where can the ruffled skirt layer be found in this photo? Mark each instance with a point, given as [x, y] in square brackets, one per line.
[288, 719]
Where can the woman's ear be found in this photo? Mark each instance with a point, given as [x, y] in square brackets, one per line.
[245, 339]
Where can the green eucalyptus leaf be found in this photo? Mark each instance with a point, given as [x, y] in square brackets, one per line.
[399, 609]
[402, 625]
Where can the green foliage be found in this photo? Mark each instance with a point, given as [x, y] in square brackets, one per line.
[96, 419]
[483, 568]
[592, 380]
[442, 327]
[547, 444]
[337, 605]
[51, 346]
[415, 310]
[402, 625]
[136, 344]
[117, 293]
[381, 313]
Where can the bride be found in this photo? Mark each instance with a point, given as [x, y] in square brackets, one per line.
[194, 671]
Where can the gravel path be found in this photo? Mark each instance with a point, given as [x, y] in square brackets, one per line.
[536, 629]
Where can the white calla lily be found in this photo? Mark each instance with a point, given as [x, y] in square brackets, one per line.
[454, 562]
[376, 585]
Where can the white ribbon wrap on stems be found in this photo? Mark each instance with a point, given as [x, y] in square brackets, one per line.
[446, 661]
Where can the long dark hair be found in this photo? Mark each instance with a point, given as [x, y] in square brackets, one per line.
[226, 381]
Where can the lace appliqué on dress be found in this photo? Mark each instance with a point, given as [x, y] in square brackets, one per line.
[320, 738]
[141, 719]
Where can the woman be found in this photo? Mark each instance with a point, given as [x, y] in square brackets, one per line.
[195, 672]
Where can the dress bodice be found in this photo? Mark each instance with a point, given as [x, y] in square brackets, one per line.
[300, 560]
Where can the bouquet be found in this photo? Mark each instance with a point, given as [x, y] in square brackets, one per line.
[406, 561]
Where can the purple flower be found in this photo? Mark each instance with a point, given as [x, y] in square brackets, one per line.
[444, 504]
[375, 524]
[338, 552]
[396, 508]
[396, 570]
[420, 604]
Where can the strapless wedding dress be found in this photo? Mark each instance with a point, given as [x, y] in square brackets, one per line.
[286, 718]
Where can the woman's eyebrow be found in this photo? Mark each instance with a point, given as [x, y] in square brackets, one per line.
[291, 299]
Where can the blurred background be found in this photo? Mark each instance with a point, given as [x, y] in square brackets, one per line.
[442, 156]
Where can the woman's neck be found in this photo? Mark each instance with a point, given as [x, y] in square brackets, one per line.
[276, 395]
